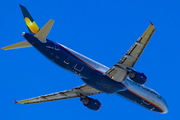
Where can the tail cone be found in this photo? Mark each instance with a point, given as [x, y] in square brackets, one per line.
[23, 33]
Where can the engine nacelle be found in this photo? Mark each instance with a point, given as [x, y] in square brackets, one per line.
[91, 103]
[138, 77]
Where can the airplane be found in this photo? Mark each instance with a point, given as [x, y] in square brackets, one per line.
[121, 79]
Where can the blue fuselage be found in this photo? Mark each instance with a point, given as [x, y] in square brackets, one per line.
[67, 60]
[92, 73]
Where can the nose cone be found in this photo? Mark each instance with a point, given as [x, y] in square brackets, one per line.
[165, 107]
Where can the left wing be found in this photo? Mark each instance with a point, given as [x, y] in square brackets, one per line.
[119, 71]
[72, 93]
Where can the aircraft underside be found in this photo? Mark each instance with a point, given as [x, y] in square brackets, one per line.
[92, 77]
[98, 78]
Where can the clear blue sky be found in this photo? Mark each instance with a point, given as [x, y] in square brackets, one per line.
[102, 30]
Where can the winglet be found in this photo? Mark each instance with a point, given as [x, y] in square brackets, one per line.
[15, 101]
[151, 23]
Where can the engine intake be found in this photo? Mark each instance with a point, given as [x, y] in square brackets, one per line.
[91, 103]
[138, 77]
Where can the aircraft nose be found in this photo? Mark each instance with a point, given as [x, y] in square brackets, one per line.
[165, 107]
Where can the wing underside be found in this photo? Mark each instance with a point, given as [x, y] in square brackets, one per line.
[72, 93]
[119, 71]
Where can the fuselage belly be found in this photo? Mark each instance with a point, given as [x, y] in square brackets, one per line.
[91, 72]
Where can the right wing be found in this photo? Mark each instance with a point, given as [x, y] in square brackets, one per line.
[119, 71]
[72, 93]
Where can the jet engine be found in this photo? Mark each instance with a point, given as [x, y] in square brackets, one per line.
[91, 103]
[138, 77]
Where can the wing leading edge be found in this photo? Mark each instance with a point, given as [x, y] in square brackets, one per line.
[118, 71]
[72, 93]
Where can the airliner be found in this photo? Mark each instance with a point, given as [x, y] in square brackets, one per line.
[121, 79]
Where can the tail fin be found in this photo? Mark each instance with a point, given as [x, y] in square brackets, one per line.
[34, 29]
[31, 24]
[41, 35]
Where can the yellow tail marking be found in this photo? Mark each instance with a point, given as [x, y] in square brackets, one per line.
[32, 25]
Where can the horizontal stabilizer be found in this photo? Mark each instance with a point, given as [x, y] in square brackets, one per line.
[17, 45]
[44, 31]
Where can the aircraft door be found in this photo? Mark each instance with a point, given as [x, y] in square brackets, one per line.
[66, 61]
[57, 47]
[78, 67]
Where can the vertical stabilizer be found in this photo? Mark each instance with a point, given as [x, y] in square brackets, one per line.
[33, 29]
[31, 24]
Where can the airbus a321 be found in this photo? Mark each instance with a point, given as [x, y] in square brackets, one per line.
[121, 79]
